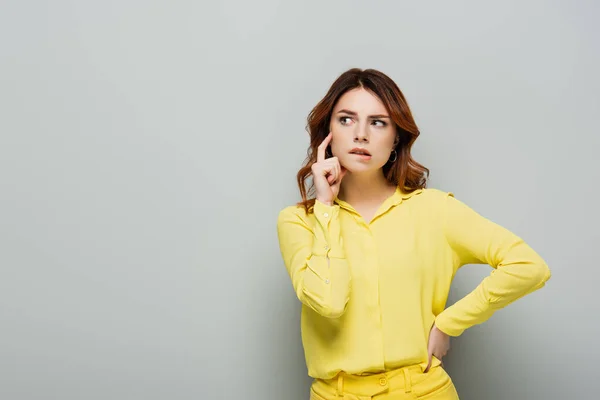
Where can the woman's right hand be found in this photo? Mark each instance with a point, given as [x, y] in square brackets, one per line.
[327, 174]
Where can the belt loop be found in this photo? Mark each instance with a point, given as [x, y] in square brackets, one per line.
[340, 386]
[407, 383]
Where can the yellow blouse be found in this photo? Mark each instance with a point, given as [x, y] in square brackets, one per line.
[371, 292]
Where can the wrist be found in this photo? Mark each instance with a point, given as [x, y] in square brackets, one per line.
[435, 327]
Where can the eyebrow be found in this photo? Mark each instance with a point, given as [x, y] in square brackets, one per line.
[344, 111]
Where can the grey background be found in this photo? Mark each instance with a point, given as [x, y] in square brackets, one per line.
[146, 148]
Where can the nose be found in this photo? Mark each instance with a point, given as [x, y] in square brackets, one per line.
[361, 134]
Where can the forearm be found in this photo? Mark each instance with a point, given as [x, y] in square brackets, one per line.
[518, 269]
[316, 261]
[504, 286]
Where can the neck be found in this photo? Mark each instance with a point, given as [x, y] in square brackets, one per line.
[358, 188]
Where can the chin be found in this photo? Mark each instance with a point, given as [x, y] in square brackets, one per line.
[360, 167]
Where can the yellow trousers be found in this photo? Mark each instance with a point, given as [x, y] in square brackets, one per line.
[400, 384]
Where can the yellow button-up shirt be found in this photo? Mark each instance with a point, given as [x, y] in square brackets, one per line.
[371, 292]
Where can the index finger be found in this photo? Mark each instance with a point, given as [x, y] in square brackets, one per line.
[430, 359]
[322, 147]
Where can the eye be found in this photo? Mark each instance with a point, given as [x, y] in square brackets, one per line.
[382, 123]
[343, 120]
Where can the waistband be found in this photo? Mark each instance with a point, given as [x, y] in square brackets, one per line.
[370, 385]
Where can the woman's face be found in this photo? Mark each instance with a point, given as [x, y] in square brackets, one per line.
[361, 121]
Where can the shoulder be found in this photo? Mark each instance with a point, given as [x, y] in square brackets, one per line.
[431, 196]
[429, 207]
[294, 214]
[430, 204]
[292, 210]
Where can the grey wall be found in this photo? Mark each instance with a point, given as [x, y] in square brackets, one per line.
[146, 148]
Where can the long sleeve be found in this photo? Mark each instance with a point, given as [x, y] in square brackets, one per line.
[314, 257]
[517, 269]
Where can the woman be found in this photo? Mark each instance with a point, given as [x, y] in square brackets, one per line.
[371, 252]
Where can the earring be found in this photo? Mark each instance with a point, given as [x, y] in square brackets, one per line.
[395, 156]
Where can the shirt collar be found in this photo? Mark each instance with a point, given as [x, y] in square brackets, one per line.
[395, 199]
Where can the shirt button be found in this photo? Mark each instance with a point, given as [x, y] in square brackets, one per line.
[383, 381]
[326, 215]
[326, 247]
[327, 281]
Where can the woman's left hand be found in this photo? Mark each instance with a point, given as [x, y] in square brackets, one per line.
[439, 344]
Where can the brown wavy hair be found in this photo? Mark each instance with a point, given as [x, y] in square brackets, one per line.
[405, 172]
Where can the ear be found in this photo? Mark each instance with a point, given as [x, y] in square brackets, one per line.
[396, 140]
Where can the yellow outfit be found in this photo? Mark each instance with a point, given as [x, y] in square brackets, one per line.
[372, 291]
[407, 383]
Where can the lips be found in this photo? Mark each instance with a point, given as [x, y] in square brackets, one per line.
[360, 151]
